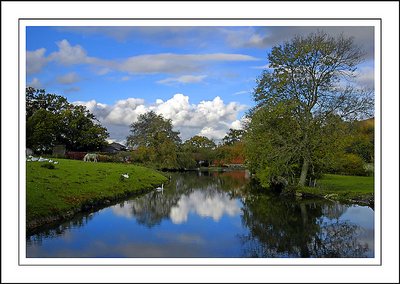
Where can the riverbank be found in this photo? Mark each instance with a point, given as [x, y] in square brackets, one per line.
[75, 186]
[347, 189]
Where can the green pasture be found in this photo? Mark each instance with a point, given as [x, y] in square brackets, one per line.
[74, 184]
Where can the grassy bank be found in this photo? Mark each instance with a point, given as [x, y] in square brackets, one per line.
[74, 186]
[344, 188]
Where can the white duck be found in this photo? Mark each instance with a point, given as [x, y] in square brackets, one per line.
[125, 175]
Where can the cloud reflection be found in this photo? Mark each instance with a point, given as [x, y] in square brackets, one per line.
[204, 205]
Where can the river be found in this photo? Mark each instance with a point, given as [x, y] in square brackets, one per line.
[210, 214]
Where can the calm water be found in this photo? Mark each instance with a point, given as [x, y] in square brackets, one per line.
[203, 214]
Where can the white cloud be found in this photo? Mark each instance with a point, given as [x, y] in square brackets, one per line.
[68, 78]
[173, 63]
[241, 93]
[69, 55]
[168, 63]
[125, 112]
[35, 83]
[185, 79]
[237, 124]
[213, 133]
[263, 67]
[103, 71]
[35, 60]
[208, 118]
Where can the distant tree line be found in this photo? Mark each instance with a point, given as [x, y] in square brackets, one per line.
[155, 143]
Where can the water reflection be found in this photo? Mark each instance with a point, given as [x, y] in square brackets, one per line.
[204, 205]
[207, 195]
[212, 215]
[283, 228]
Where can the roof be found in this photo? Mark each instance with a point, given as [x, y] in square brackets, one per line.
[114, 147]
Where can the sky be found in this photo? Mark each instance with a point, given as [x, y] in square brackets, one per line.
[201, 78]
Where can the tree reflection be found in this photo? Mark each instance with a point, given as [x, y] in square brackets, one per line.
[150, 209]
[286, 228]
[55, 231]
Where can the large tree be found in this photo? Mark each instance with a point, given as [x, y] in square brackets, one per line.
[201, 149]
[300, 99]
[233, 136]
[154, 137]
[52, 120]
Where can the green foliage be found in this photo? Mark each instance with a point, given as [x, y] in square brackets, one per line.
[119, 157]
[362, 140]
[149, 129]
[154, 141]
[51, 120]
[42, 129]
[199, 142]
[271, 143]
[350, 164]
[233, 136]
[185, 160]
[81, 131]
[201, 149]
[298, 126]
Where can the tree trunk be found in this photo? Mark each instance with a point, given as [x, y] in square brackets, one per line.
[304, 171]
[304, 215]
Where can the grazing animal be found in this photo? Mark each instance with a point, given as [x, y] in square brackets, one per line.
[125, 175]
[88, 157]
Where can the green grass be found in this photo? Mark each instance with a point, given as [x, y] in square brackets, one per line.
[342, 187]
[73, 184]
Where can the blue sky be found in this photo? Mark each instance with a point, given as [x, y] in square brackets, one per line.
[199, 77]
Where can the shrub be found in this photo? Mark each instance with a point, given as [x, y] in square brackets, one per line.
[351, 164]
[104, 158]
[48, 166]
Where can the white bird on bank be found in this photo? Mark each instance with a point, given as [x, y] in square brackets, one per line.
[125, 175]
[160, 188]
[55, 163]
